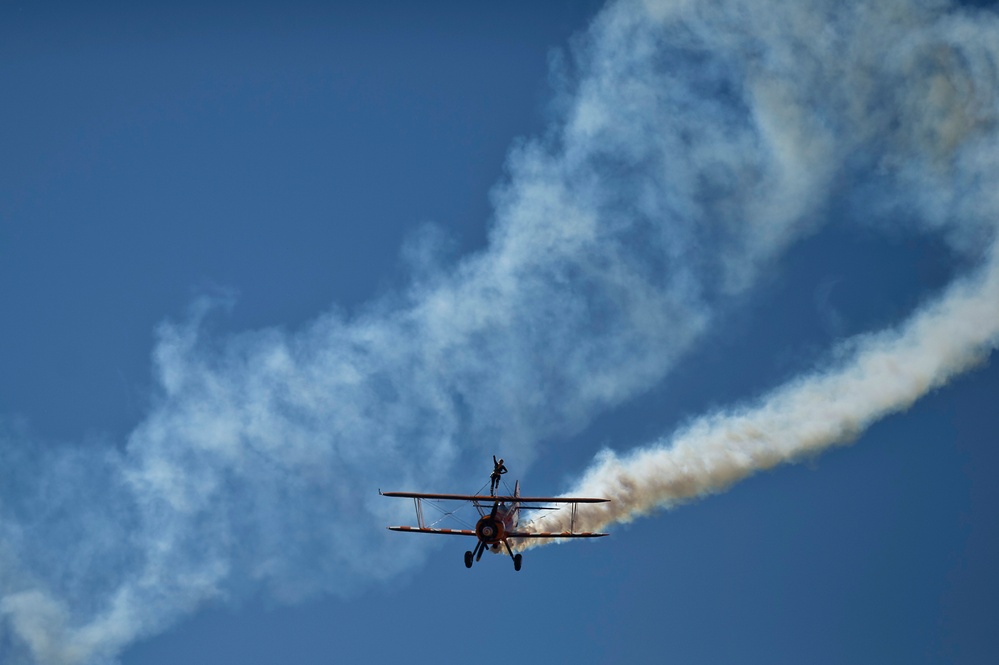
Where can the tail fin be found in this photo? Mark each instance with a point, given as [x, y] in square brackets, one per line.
[515, 516]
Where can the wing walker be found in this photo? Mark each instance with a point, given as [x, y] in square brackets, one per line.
[499, 516]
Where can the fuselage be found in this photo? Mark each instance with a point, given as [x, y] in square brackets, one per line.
[492, 530]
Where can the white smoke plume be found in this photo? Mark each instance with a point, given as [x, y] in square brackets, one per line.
[886, 374]
[697, 142]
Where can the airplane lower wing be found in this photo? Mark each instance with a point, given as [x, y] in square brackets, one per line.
[554, 534]
[416, 529]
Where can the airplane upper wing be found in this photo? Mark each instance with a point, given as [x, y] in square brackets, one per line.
[486, 498]
[510, 534]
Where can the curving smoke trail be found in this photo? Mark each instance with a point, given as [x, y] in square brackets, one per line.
[698, 142]
[915, 86]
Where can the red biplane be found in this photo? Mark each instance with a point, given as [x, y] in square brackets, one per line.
[498, 521]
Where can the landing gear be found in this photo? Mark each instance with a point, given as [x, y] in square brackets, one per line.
[474, 555]
[517, 558]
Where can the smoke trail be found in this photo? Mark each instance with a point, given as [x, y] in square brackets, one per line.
[933, 93]
[926, 108]
[888, 372]
[699, 141]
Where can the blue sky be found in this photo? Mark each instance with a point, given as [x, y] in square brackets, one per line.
[258, 263]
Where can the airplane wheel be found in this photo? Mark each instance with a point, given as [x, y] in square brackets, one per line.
[468, 559]
[517, 559]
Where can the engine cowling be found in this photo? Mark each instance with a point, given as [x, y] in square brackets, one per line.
[490, 530]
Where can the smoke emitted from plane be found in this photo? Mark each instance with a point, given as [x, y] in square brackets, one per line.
[697, 142]
[885, 374]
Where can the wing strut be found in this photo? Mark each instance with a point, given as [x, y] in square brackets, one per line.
[419, 511]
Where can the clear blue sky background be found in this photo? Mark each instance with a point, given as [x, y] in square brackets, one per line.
[152, 155]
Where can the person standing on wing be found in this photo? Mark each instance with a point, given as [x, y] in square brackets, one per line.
[494, 479]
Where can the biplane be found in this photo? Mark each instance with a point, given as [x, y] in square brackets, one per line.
[498, 521]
